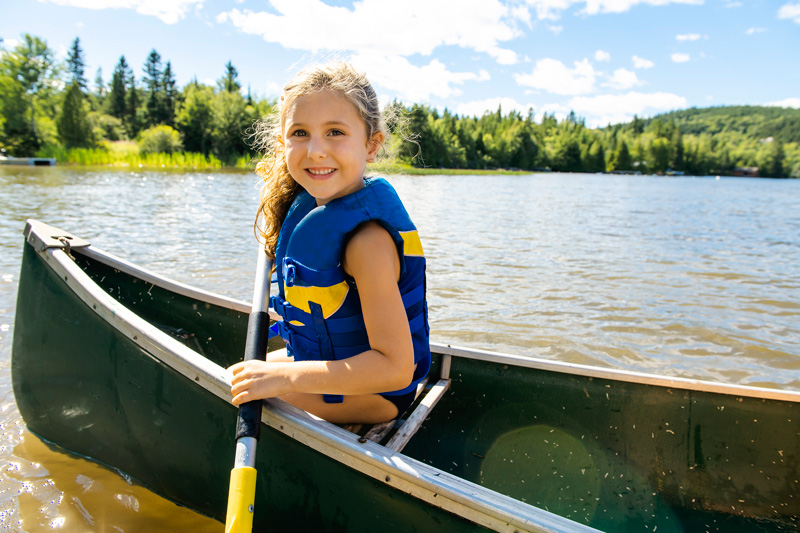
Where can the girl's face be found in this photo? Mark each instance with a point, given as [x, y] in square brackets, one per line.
[326, 145]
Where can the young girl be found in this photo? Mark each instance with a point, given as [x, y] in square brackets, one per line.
[350, 268]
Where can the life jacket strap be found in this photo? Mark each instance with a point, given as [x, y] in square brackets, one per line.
[294, 271]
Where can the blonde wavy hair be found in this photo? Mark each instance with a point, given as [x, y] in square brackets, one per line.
[280, 189]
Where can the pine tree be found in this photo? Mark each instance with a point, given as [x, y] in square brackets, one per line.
[595, 160]
[132, 123]
[73, 122]
[154, 109]
[117, 106]
[77, 65]
[623, 157]
[638, 125]
[170, 95]
[229, 83]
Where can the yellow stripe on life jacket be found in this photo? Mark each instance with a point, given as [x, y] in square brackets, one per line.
[411, 243]
[329, 298]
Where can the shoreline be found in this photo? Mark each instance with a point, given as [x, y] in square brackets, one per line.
[393, 169]
[380, 168]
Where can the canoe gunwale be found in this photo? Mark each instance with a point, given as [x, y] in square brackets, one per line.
[168, 284]
[641, 378]
[424, 482]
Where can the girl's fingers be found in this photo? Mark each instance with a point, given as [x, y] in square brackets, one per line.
[239, 399]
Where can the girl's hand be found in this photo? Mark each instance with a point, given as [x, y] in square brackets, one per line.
[257, 380]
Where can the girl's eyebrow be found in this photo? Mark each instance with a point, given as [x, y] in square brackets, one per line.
[329, 123]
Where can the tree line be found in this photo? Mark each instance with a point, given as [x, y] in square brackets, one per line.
[43, 102]
[712, 141]
[46, 103]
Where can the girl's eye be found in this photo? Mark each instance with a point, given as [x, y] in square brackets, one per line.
[336, 132]
[299, 133]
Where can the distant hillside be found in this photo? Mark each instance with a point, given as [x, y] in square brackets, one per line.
[757, 122]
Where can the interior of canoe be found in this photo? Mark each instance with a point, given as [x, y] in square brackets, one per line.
[618, 456]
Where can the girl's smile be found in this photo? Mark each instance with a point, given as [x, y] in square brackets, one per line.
[326, 145]
[321, 174]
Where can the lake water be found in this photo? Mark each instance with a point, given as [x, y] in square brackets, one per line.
[690, 277]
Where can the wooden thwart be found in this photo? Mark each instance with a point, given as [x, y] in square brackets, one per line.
[405, 428]
[379, 431]
[408, 428]
[418, 416]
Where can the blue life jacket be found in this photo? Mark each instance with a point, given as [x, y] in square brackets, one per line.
[319, 302]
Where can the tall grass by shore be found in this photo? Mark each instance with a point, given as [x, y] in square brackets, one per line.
[126, 154]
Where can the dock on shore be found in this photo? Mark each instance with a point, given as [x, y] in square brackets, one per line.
[29, 161]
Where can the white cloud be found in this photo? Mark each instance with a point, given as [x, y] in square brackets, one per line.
[680, 58]
[688, 37]
[753, 31]
[410, 82]
[521, 14]
[555, 29]
[790, 11]
[613, 109]
[602, 55]
[551, 9]
[503, 56]
[623, 79]
[640, 62]
[419, 28]
[786, 102]
[169, 11]
[554, 77]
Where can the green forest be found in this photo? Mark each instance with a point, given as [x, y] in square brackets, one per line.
[141, 117]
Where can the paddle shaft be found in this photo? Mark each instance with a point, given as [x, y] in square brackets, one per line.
[241, 496]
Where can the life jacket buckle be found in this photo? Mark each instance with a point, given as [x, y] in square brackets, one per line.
[289, 272]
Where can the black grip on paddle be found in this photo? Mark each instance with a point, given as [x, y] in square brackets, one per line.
[248, 423]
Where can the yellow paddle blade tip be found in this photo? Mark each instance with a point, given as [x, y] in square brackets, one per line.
[241, 500]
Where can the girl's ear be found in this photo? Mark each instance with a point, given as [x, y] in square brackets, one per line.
[375, 146]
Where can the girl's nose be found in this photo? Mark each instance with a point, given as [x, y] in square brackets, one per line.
[316, 149]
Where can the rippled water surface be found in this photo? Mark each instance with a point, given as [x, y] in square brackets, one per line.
[692, 277]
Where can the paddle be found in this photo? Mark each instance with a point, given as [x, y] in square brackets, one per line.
[241, 494]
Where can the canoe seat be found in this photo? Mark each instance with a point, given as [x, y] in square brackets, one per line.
[428, 395]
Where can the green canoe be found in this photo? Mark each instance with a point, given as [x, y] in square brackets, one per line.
[121, 365]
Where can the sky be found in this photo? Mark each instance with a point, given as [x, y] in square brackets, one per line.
[606, 60]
